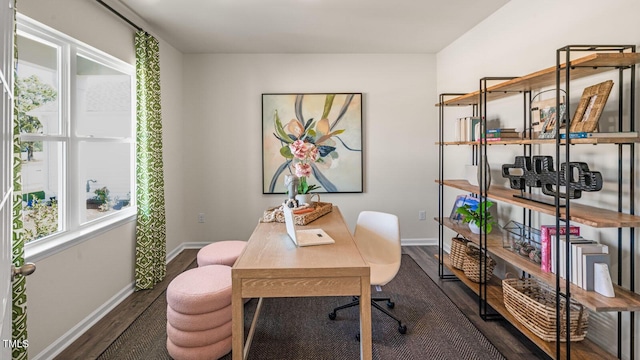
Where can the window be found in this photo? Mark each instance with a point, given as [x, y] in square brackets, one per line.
[75, 110]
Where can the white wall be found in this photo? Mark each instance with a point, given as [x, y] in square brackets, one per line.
[222, 95]
[520, 38]
[70, 286]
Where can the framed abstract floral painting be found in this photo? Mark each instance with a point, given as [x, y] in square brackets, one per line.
[317, 137]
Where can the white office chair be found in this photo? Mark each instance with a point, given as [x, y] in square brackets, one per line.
[377, 236]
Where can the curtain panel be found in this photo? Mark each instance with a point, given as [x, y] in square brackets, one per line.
[151, 247]
[19, 285]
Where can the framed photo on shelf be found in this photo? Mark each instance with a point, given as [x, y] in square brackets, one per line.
[537, 109]
[461, 200]
[547, 115]
[590, 107]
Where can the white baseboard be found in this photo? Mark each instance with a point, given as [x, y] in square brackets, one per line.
[194, 245]
[419, 242]
[75, 332]
[188, 245]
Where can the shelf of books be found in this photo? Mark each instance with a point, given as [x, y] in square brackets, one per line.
[584, 349]
[585, 66]
[580, 213]
[624, 299]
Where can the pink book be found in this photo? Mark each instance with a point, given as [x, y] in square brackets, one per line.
[546, 231]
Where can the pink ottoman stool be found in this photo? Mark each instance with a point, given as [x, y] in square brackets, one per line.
[221, 253]
[198, 338]
[200, 290]
[199, 313]
[196, 322]
[210, 352]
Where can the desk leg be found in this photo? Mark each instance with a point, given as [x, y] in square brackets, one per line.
[252, 330]
[365, 318]
[237, 318]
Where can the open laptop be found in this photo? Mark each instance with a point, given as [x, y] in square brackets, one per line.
[305, 237]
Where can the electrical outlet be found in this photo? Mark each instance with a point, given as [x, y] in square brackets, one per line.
[201, 217]
[422, 215]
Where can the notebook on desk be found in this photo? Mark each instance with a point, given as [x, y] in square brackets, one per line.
[305, 237]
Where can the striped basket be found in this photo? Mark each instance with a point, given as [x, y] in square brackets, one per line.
[458, 251]
[474, 264]
[533, 303]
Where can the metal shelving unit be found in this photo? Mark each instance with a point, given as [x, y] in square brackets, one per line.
[595, 60]
[616, 54]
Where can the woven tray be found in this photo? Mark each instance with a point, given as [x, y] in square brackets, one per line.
[276, 214]
[533, 304]
[474, 267]
[458, 252]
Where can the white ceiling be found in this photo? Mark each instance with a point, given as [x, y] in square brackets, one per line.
[312, 26]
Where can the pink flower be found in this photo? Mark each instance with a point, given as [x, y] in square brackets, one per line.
[312, 153]
[305, 153]
[303, 169]
[299, 149]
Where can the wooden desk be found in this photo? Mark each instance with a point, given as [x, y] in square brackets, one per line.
[272, 266]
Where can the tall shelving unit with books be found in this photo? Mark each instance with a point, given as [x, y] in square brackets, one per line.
[593, 60]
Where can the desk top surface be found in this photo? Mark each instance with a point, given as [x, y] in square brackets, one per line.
[270, 248]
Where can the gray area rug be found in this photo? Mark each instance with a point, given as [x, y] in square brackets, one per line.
[299, 328]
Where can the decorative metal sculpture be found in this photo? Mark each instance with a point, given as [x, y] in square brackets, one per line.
[537, 171]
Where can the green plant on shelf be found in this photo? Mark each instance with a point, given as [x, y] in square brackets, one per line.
[478, 214]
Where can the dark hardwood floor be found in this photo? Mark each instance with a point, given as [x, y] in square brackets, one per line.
[504, 337]
[98, 338]
[507, 339]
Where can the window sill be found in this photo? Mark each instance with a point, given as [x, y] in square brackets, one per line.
[42, 249]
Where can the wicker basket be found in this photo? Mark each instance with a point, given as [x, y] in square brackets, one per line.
[458, 251]
[473, 265]
[319, 209]
[533, 304]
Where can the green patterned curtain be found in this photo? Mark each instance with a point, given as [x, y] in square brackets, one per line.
[151, 246]
[19, 311]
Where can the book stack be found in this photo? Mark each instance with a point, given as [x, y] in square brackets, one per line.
[561, 266]
[500, 134]
[546, 252]
[582, 257]
[467, 129]
[586, 256]
[584, 135]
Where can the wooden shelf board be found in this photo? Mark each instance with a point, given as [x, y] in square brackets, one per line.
[624, 300]
[584, 66]
[582, 214]
[584, 349]
[493, 239]
[592, 141]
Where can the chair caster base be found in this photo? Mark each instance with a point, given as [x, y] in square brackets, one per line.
[402, 329]
[391, 304]
[332, 315]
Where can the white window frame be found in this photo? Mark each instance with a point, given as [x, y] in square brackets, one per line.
[73, 231]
